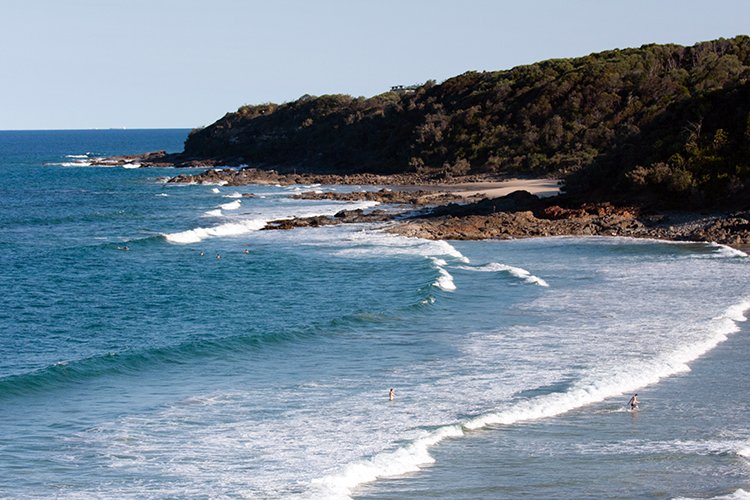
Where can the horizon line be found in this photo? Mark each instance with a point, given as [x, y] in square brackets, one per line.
[93, 129]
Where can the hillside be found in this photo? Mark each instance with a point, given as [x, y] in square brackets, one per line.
[662, 122]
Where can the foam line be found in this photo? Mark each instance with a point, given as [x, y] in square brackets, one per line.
[76, 164]
[245, 226]
[382, 243]
[201, 233]
[727, 251]
[387, 464]
[597, 388]
[494, 267]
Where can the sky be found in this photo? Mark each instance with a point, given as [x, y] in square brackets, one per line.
[81, 64]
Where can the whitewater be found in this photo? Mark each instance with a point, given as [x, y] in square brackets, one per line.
[157, 342]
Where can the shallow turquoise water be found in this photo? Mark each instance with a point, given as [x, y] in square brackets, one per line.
[160, 372]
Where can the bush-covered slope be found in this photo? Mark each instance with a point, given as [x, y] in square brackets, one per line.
[615, 115]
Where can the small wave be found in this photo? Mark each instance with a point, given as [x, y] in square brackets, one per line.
[411, 457]
[230, 229]
[387, 464]
[370, 242]
[162, 194]
[77, 156]
[444, 280]
[232, 205]
[131, 165]
[76, 164]
[215, 190]
[132, 361]
[495, 267]
[739, 494]
[214, 213]
[622, 380]
[233, 195]
[727, 251]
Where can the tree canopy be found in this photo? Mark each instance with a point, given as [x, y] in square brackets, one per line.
[667, 120]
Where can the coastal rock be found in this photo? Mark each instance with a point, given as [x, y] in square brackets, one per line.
[341, 217]
[417, 197]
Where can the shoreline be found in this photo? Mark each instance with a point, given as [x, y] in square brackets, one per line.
[477, 208]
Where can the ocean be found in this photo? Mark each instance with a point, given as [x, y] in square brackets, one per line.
[155, 343]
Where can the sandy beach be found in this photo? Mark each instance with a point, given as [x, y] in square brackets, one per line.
[542, 188]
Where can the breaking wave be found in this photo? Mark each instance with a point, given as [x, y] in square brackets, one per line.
[495, 267]
[600, 386]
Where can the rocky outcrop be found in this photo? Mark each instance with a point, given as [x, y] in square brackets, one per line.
[342, 217]
[417, 197]
[245, 176]
[733, 230]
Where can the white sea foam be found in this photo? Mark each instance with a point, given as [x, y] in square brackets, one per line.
[214, 213]
[727, 251]
[215, 190]
[77, 156]
[619, 381]
[392, 463]
[229, 229]
[233, 195]
[76, 164]
[445, 281]
[241, 227]
[232, 205]
[592, 389]
[162, 194]
[739, 494]
[131, 165]
[373, 242]
[495, 267]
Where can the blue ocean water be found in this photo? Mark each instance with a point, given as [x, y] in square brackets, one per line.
[155, 343]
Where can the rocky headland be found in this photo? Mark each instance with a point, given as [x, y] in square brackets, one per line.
[648, 142]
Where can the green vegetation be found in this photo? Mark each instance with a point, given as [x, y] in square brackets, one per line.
[661, 122]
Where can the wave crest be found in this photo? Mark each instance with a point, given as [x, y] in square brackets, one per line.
[496, 267]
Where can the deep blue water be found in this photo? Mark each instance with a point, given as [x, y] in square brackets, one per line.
[155, 343]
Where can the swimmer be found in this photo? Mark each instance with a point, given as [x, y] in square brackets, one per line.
[634, 402]
[391, 394]
[246, 251]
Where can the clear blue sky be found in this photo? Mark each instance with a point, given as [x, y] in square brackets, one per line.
[184, 63]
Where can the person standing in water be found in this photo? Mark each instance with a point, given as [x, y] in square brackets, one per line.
[391, 394]
[634, 402]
